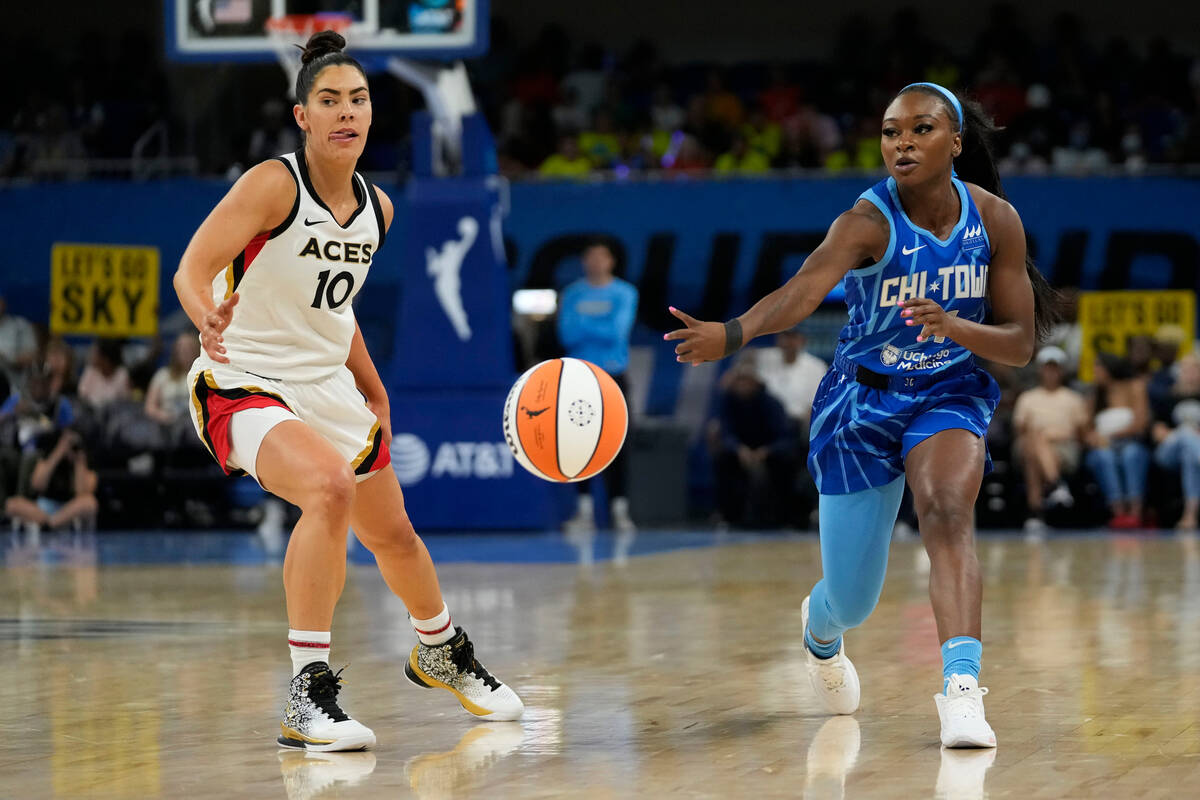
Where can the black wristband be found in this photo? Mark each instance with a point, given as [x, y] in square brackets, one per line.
[733, 336]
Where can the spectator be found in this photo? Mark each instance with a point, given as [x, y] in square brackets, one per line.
[1118, 457]
[1050, 421]
[742, 159]
[601, 144]
[1167, 340]
[665, 114]
[168, 399]
[18, 344]
[791, 374]
[568, 162]
[754, 451]
[105, 378]
[59, 364]
[63, 488]
[1177, 437]
[595, 319]
[781, 98]
[722, 106]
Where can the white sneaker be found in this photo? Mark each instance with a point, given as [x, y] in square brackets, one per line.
[1060, 496]
[961, 713]
[584, 520]
[452, 666]
[307, 776]
[312, 718]
[621, 521]
[834, 680]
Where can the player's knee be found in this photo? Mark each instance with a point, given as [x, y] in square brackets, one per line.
[332, 491]
[851, 608]
[946, 518]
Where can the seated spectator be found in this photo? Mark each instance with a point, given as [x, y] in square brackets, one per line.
[105, 378]
[568, 162]
[63, 488]
[1167, 340]
[742, 159]
[601, 143]
[1176, 433]
[59, 363]
[721, 106]
[781, 99]
[791, 374]
[1050, 421]
[665, 114]
[762, 135]
[1118, 457]
[18, 344]
[754, 451]
[169, 397]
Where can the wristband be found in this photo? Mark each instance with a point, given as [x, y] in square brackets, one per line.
[733, 336]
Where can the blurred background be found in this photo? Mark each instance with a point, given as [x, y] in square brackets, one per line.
[698, 157]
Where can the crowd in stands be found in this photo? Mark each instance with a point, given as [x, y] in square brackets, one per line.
[1070, 101]
[113, 438]
[1068, 104]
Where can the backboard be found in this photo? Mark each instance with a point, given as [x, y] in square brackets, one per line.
[235, 30]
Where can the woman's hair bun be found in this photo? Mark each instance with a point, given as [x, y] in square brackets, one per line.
[322, 43]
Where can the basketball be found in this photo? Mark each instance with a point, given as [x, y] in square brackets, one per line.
[565, 420]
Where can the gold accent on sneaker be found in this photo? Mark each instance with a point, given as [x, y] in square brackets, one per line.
[292, 733]
[475, 709]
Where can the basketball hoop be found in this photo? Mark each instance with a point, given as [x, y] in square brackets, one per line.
[294, 29]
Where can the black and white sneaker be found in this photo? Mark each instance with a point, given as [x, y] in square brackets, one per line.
[452, 666]
[312, 718]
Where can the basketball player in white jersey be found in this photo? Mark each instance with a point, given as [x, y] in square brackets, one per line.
[285, 390]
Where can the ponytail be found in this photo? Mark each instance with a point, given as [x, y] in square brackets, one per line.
[977, 164]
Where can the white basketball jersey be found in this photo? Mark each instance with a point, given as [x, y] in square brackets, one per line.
[294, 319]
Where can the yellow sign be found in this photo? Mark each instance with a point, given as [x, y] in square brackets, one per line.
[103, 290]
[1108, 321]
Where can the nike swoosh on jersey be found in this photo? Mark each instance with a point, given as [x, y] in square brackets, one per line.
[308, 221]
[908, 252]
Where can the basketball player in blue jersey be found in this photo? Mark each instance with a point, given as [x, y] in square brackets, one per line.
[286, 391]
[935, 273]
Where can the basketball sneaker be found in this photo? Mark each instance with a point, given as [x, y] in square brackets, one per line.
[961, 712]
[312, 718]
[834, 680]
[452, 666]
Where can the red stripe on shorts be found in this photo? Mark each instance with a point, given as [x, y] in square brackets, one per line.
[219, 407]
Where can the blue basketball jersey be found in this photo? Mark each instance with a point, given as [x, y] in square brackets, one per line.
[952, 272]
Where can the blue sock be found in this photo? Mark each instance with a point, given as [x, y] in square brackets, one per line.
[960, 656]
[819, 649]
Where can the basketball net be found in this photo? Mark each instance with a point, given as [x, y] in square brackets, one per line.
[294, 29]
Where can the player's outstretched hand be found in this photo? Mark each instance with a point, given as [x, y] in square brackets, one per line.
[932, 318]
[215, 322]
[699, 341]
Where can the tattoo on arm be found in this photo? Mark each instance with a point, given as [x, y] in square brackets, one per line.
[733, 336]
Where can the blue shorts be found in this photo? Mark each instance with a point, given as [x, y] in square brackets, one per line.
[860, 436]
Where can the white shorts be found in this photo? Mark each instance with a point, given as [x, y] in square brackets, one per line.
[233, 411]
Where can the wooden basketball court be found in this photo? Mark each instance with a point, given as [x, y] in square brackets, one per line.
[154, 665]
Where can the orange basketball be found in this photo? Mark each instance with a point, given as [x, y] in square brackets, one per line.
[565, 420]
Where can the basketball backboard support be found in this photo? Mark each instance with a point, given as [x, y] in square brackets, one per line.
[235, 30]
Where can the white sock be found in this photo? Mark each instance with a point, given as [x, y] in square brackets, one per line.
[435, 630]
[307, 647]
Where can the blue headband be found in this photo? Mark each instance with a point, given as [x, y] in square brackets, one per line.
[949, 95]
